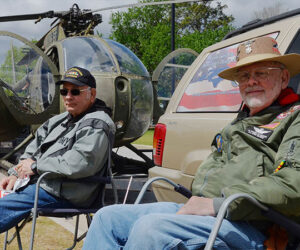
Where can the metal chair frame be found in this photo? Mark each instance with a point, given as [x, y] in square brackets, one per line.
[291, 226]
[65, 213]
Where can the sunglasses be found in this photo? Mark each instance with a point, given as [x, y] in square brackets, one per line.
[73, 92]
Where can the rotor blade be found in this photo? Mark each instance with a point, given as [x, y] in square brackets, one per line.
[48, 14]
[142, 5]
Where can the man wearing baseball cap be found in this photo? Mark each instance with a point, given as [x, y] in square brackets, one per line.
[257, 154]
[70, 145]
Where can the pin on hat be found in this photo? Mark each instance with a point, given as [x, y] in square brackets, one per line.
[261, 49]
[79, 77]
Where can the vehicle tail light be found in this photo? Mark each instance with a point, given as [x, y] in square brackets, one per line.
[158, 143]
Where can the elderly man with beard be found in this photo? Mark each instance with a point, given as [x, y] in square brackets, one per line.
[257, 153]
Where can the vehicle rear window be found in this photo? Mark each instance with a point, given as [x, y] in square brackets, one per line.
[295, 48]
[207, 92]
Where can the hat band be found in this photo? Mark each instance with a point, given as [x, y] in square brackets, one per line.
[257, 57]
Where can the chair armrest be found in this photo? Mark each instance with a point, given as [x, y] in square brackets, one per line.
[222, 213]
[37, 188]
[291, 226]
[91, 179]
[276, 217]
[177, 187]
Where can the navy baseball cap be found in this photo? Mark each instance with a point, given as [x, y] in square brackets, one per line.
[79, 77]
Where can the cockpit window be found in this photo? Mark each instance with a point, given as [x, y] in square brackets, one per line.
[25, 77]
[207, 92]
[88, 53]
[128, 61]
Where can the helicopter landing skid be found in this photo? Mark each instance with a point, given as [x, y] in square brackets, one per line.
[130, 174]
[124, 165]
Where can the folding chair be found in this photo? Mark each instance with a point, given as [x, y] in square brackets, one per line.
[291, 226]
[104, 179]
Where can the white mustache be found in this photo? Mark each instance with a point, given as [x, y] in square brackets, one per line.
[250, 89]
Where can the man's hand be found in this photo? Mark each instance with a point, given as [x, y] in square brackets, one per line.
[8, 183]
[198, 206]
[24, 168]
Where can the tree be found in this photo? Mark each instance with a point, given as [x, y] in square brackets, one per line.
[130, 28]
[156, 47]
[200, 40]
[200, 17]
[147, 31]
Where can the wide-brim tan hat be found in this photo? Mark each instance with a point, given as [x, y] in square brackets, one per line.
[259, 50]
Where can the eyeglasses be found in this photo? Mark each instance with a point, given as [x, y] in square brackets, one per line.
[259, 74]
[74, 92]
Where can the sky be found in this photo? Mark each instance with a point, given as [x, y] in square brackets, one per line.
[242, 11]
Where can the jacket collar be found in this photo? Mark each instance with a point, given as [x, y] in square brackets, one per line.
[98, 105]
[286, 98]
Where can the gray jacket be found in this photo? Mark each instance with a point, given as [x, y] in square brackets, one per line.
[71, 148]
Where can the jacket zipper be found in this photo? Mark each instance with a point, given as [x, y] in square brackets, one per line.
[208, 173]
[228, 144]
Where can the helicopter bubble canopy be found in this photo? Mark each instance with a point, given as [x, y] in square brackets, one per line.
[126, 87]
[99, 55]
[28, 94]
[127, 60]
[92, 55]
[27, 84]
[141, 89]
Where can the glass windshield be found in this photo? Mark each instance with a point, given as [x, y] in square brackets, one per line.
[141, 108]
[25, 77]
[172, 73]
[207, 92]
[88, 53]
[128, 61]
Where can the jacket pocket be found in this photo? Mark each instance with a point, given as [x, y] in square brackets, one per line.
[260, 165]
[292, 159]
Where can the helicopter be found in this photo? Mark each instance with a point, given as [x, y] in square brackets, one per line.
[28, 72]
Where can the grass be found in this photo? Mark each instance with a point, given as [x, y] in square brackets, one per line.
[48, 235]
[146, 139]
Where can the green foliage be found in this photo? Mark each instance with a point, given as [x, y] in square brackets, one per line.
[202, 16]
[200, 40]
[156, 47]
[147, 31]
[134, 26]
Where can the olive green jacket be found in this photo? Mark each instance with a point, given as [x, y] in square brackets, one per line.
[248, 151]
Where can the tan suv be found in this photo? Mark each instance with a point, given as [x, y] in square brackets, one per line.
[203, 103]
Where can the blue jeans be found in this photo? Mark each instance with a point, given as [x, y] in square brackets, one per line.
[17, 206]
[156, 226]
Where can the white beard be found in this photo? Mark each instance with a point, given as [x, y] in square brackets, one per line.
[254, 102]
